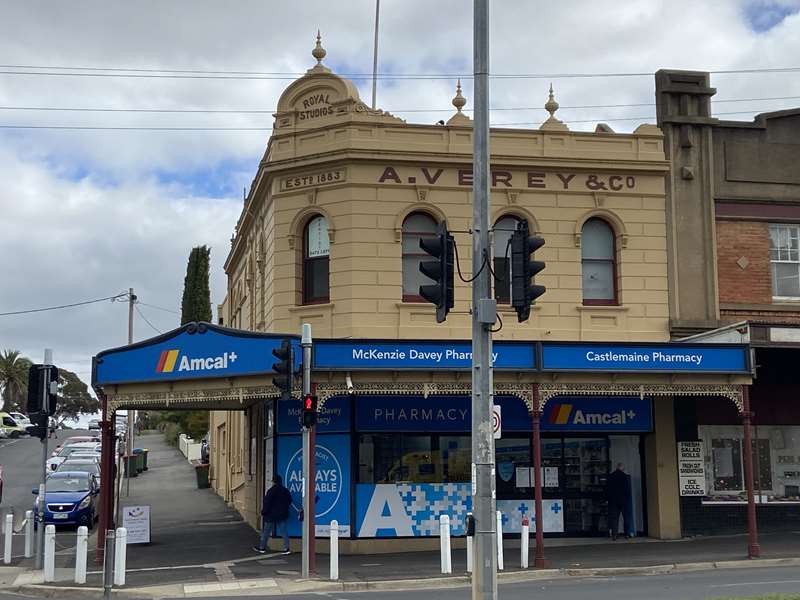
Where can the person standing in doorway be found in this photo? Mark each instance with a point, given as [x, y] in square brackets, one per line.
[275, 513]
[618, 493]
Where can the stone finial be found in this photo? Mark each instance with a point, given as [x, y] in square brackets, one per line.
[459, 101]
[551, 106]
[318, 52]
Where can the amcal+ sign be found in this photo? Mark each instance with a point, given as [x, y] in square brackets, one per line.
[169, 358]
[624, 413]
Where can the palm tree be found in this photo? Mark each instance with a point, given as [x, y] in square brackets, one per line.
[13, 378]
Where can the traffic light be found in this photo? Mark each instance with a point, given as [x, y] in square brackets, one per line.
[523, 270]
[36, 392]
[284, 380]
[309, 411]
[41, 424]
[441, 293]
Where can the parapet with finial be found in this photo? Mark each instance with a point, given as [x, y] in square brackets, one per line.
[459, 102]
[552, 123]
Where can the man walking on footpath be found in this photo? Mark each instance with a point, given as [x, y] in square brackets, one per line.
[275, 512]
[618, 493]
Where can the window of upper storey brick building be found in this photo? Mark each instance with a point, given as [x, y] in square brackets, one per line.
[415, 227]
[316, 252]
[784, 256]
[598, 263]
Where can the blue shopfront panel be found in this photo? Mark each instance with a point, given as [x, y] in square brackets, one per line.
[423, 354]
[194, 351]
[445, 414]
[333, 417]
[697, 358]
[332, 486]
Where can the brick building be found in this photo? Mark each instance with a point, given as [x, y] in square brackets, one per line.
[733, 209]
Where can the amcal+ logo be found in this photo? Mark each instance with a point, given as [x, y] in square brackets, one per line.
[562, 414]
[169, 358]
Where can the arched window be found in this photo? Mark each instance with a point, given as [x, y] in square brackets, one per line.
[598, 258]
[316, 251]
[503, 229]
[415, 227]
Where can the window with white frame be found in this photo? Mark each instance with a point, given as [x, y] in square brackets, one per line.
[784, 256]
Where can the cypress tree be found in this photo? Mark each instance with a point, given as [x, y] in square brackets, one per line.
[196, 302]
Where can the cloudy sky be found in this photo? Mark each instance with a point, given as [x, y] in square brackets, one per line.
[88, 213]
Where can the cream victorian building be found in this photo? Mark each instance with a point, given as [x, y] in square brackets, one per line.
[329, 235]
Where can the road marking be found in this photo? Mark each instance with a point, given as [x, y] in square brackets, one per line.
[726, 585]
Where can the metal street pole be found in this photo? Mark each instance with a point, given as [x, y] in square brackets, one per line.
[484, 576]
[129, 435]
[44, 374]
[308, 463]
[375, 55]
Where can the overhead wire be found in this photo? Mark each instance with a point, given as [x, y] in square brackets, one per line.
[61, 306]
[50, 70]
[392, 110]
[156, 329]
[169, 310]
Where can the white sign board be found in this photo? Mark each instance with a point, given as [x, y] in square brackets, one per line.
[497, 422]
[691, 469]
[136, 520]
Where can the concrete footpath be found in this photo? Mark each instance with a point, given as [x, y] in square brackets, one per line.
[201, 547]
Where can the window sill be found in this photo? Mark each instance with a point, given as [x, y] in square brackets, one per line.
[784, 300]
[603, 307]
[305, 307]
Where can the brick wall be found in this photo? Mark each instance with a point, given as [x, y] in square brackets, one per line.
[743, 268]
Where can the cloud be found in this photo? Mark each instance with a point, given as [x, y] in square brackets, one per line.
[87, 214]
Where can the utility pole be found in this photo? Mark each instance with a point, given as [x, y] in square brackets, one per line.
[484, 577]
[309, 453]
[129, 435]
[44, 374]
[375, 55]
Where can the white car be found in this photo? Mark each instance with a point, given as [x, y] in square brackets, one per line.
[92, 448]
[20, 419]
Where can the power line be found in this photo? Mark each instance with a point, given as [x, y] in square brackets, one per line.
[211, 75]
[146, 321]
[169, 310]
[263, 129]
[36, 310]
[397, 110]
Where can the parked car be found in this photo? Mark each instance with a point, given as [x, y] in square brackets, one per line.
[94, 424]
[10, 426]
[70, 498]
[76, 439]
[82, 447]
[20, 419]
[1, 485]
[83, 464]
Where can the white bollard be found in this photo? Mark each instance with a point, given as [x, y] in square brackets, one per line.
[28, 533]
[499, 541]
[81, 549]
[444, 544]
[334, 550]
[524, 542]
[9, 523]
[469, 549]
[120, 554]
[50, 553]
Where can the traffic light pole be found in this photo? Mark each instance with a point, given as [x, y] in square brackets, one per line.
[309, 451]
[484, 576]
[44, 374]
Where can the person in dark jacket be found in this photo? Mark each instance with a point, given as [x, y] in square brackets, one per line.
[618, 493]
[275, 513]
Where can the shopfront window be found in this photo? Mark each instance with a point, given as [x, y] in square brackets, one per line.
[413, 458]
[512, 467]
[776, 463]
